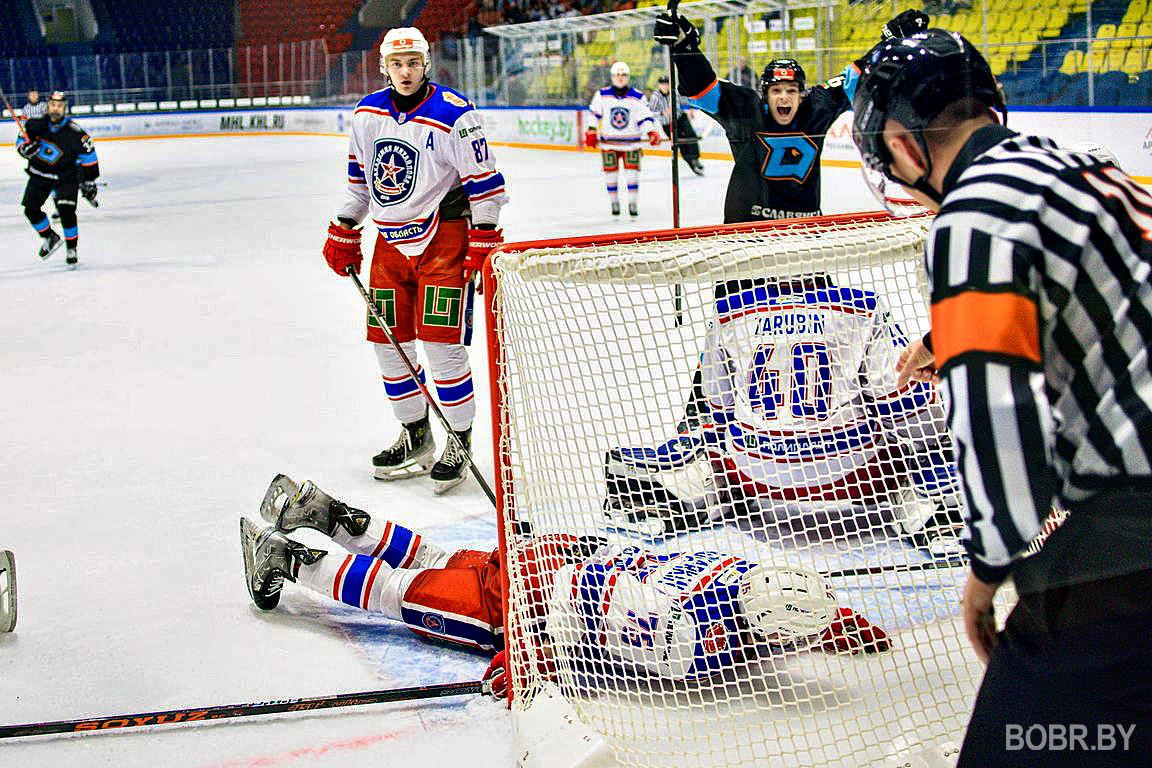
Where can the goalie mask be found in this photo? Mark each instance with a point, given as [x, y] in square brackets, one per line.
[786, 605]
[403, 40]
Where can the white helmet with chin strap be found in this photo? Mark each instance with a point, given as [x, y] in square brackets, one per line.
[786, 605]
[405, 40]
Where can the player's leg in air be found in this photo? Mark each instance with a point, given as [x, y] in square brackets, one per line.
[35, 193]
[375, 565]
[611, 161]
[631, 178]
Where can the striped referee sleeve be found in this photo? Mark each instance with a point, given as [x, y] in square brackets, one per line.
[986, 335]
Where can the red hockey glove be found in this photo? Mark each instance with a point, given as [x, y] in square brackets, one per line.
[852, 633]
[480, 244]
[497, 675]
[654, 138]
[342, 249]
[590, 138]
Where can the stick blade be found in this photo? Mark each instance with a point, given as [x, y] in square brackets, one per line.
[7, 591]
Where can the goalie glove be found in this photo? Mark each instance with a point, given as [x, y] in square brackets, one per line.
[675, 31]
[654, 138]
[904, 25]
[591, 139]
[88, 191]
[28, 149]
[342, 249]
[481, 240]
[496, 676]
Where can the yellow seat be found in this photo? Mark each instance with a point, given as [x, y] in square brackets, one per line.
[1073, 63]
[1135, 61]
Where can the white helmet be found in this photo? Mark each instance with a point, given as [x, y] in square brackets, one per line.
[619, 68]
[405, 40]
[1097, 150]
[786, 605]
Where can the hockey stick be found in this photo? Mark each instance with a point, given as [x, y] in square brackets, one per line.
[7, 591]
[423, 387]
[202, 714]
[674, 107]
[15, 118]
[871, 570]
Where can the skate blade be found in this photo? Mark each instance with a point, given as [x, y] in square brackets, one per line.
[441, 487]
[402, 472]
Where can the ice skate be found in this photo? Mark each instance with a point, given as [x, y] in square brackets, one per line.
[269, 558]
[448, 472]
[50, 243]
[289, 506]
[72, 258]
[410, 456]
[632, 209]
[696, 167]
[615, 208]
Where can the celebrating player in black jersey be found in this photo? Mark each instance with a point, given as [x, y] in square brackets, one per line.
[776, 133]
[62, 163]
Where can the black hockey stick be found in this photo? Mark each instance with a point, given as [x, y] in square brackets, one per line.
[202, 714]
[871, 570]
[674, 108]
[423, 387]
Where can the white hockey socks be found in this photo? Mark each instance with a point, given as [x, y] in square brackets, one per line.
[631, 177]
[407, 400]
[452, 375]
[397, 546]
[360, 581]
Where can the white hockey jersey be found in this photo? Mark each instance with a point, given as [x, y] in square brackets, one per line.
[673, 615]
[622, 122]
[401, 166]
[801, 384]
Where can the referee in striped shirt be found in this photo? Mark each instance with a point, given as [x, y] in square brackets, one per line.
[1039, 261]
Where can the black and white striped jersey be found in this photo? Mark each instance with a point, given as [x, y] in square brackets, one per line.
[1039, 261]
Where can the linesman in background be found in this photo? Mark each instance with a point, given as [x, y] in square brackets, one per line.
[61, 163]
[661, 106]
[35, 106]
[1039, 262]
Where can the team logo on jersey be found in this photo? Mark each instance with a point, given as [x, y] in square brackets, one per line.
[385, 301]
[618, 118]
[442, 306]
[394, 166]
[788, 158]
[49, 152]
[433, 622]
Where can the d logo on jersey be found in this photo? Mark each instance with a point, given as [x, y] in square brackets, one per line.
[618, 118]
[48, 152]
[787, 157]
[394, 166]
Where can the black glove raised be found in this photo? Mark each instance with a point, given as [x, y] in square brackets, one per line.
[904, 25]
[29, 149]
[675, 30]
[88, 190]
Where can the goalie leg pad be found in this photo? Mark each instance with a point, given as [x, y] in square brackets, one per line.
[668, 484]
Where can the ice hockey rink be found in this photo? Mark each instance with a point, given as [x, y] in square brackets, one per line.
[149, 396]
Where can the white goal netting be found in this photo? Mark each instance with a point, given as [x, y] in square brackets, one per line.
[716, 412]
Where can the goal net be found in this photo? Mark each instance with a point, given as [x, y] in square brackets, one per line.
[713, 493]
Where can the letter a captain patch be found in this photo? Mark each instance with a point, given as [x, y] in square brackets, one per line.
[385, 301]
[442, 306]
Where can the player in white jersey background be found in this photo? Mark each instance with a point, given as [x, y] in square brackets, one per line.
[420, 167]
[622, 122]
[681, 616]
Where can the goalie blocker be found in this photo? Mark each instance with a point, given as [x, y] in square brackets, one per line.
[7, 591]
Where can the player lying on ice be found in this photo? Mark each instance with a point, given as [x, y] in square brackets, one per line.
[800, 413]
[682, 616]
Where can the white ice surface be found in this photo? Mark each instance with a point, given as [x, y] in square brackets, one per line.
[146, 400]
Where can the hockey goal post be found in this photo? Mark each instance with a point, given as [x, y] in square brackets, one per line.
[588, 357]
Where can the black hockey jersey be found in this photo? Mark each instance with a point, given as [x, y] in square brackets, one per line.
[66, 154]
[777, 173]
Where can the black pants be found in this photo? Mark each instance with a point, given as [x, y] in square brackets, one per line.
[686, 139]
[66, 194]
[1070, 681]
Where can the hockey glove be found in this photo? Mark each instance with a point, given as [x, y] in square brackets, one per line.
[850, 632]
[654, 138]
[906, 24]
[342, 249]
[675, 30]
[88, 190]
[497, 675]
[28, 149]
[591, 139]
[480, 244]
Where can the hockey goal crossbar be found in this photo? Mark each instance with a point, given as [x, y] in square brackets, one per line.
[203, 714]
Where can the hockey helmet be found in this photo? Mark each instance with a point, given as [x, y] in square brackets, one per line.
[786, 605]
[781, 71]
[405, 40]
[620, 68]
[60, 98]
[911, 81]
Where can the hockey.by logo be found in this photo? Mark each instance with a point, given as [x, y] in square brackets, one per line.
[788, 157]
[394, 166]
[385, 301]
[442, 306]
[618, 117]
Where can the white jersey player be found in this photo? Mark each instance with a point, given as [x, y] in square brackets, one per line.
[419, 166]
[621, 123]
[804, 414]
